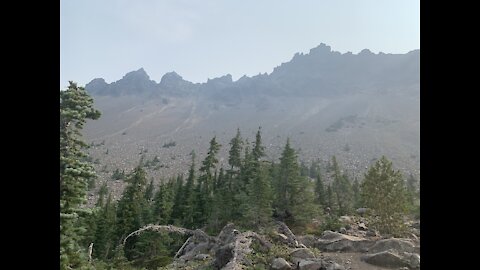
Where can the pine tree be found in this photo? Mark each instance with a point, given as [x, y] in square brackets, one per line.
[234, 159]
[205, 186]
[208, 165]
[101, 194]
[295, 194]
[131, 209]
[413, 196]
[189, 195]
[258, 150]
[104, 235]
[383, 191]
[76, 106]
[163, 203]
[178, 201]
[342, 189]
[314, 169]
[357, 199]
[259, 204]
[222, 204]
[320, 193]
[149, 191]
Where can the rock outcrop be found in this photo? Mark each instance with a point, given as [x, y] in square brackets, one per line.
[333, 241]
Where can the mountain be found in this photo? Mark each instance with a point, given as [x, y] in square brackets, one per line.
[355, 106]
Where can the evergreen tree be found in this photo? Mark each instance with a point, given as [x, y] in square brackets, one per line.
[331, 201]
[234, 159]
[76, 106]
[101, 194]
[178, 201]
[383, 191]
[357, 199]
[258, 150]
[314, 169]
[163, 203]
[259, 204]
[104, 235]
[149, 191]
[131, 209]
[189, 195]
[204, 190]
[342, 189]
[241, 186]
[208, 165]
[222, 204]
[295, 196]
[320, 193]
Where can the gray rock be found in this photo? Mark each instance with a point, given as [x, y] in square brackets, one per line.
[223, 255]
[385, 259]
[361, 211]
[412, 259]
[202, 257]
[343, 230]
[302, 253]
[335, 266]
[194, 249]
[362, 227]
[310, 265]
[399, 244]
[307, 240]
[332, 241]
[280, 264]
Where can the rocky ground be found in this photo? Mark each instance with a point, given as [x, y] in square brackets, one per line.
[277, 247]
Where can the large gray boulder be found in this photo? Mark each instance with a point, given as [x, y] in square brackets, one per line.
[310, 264]
[334, 266]
[308, 240]
[399, 244]
[393, 259]
[301, 254]
[388, 258]
[333, 241]
[280, 264]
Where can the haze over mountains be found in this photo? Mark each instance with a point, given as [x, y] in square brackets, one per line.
[355, 106]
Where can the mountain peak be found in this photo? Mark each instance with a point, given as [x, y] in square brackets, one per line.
[138, 74]
[320, 49]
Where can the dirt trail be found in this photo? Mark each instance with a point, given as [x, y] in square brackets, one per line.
[350, 260]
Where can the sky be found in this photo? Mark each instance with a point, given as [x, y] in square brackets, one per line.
[202, 39]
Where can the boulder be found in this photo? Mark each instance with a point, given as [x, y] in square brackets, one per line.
[412, 259]
[361, 211]
[302, 253]
[387, 258]
[280, 264]
[334, 266]
[333, 241]
[307, 240]
[343, 230]
[393, 258]
[201, 257]
[223, 255]
[310, 264]
[399, 244]
[193, 249]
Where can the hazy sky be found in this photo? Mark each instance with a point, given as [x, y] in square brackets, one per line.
[201, 39]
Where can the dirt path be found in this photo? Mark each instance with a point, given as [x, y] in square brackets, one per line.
[350, 261]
